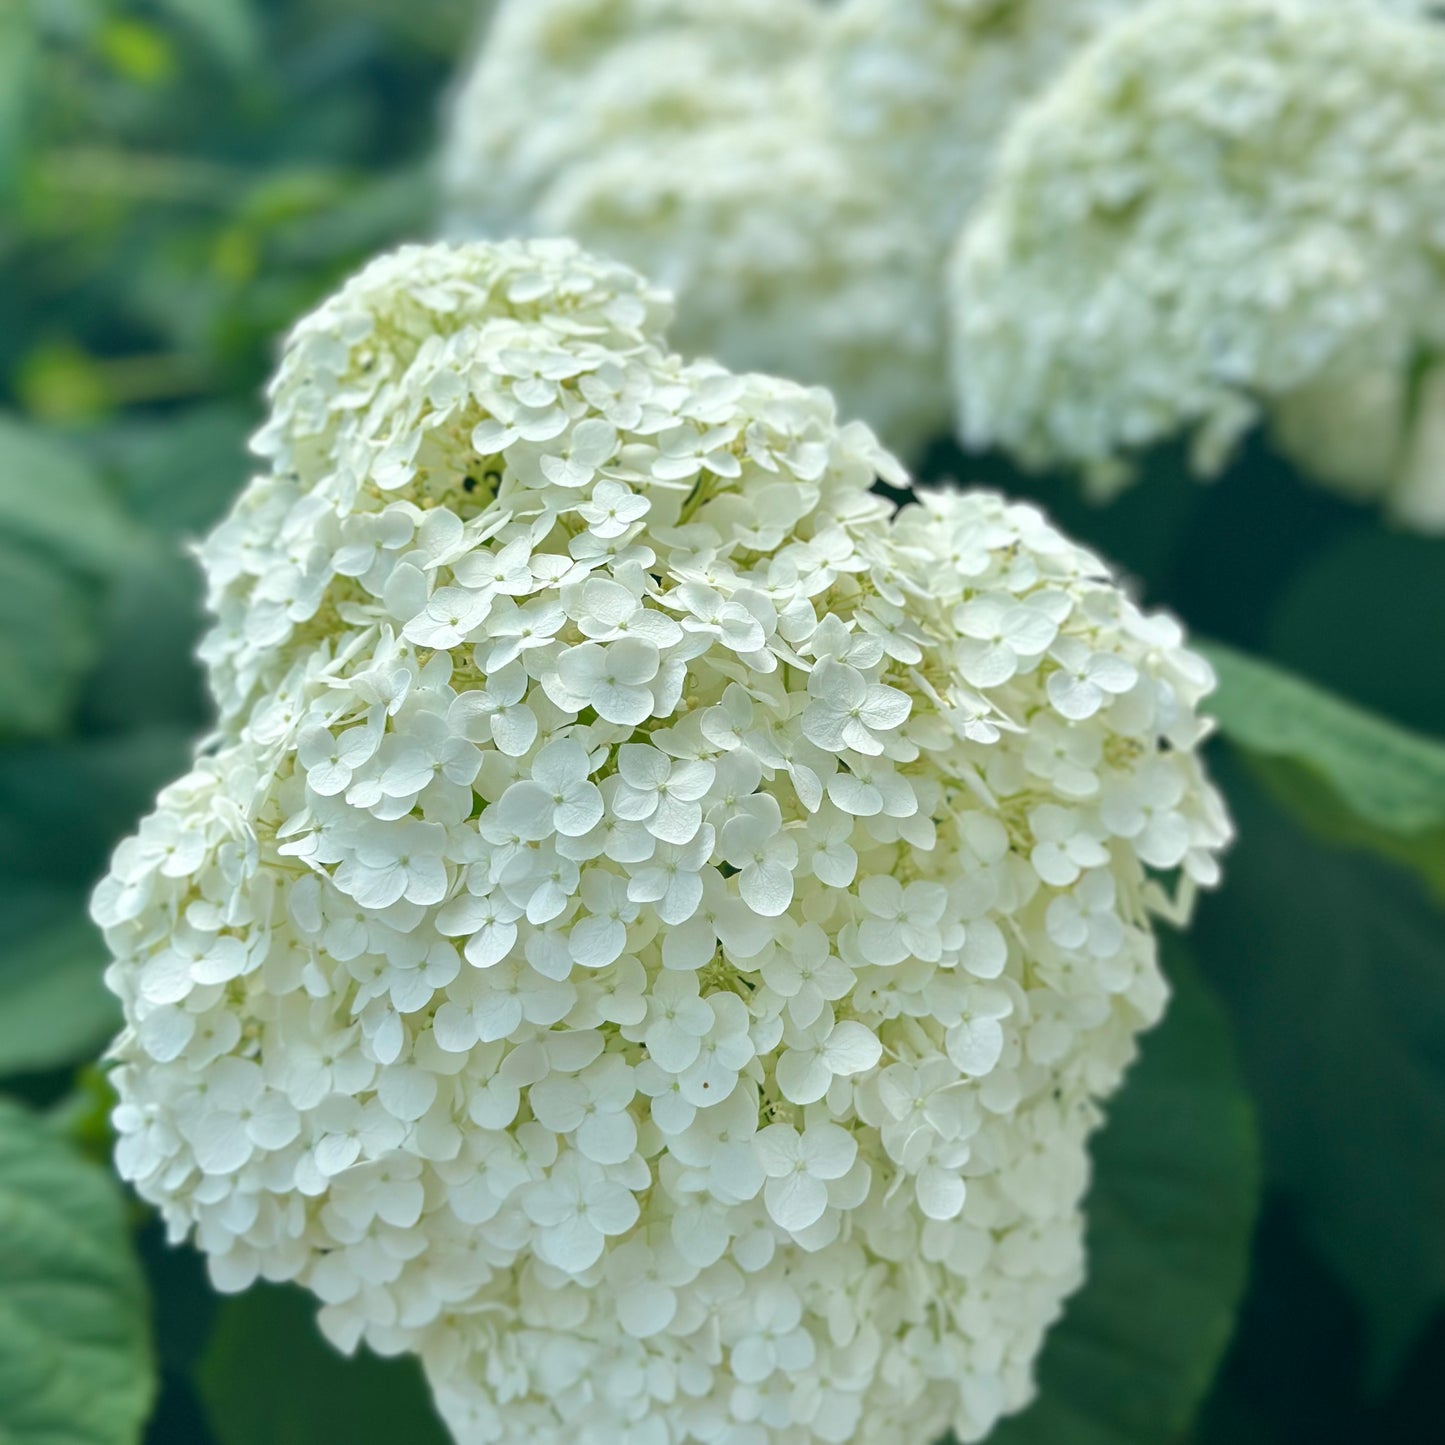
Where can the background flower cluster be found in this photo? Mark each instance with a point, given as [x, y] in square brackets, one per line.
[1069, 228]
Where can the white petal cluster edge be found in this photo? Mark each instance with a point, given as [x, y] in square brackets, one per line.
[1221, 211]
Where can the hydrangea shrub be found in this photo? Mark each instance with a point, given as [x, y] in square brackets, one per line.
[654, 927]
[1222, 209]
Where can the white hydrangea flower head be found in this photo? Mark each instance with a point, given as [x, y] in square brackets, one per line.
[536, 102]
[927, 88]
[1222, 208]
[653, 931]
[697, 140]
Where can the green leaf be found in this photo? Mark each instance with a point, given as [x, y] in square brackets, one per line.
[1229, 1419]
[1349, 776]
[1364, 617]
[51, 499]
[178, 473]
[1170, 1218]
[64, 806]
[54, 1007]
[366, 215]
[269, 1378]
[1387, 776]
[18, 52]
[226, 27]
[47, 641]
[61, 533]
[75, 1353]
[1320, 811]
[1331, 965]
[145, 673]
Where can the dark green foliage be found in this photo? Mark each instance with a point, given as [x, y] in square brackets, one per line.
[1330, 962]
[54, 1009]
[268, 1378]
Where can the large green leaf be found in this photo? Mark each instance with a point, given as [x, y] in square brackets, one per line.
[1332, 965]
[1295, 1371]
[47, 640]
[75, 1354]
[53, 500]
[54, 1008]
[1364, 617]
[178, 473]
[1388, 776]
[1171, 1212]
[60, 533]
[145, 673]
[1349, 775]
[269, 1378]
[64, 806]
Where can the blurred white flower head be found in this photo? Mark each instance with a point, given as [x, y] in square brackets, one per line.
[1221, 209]
[928, 88]
[796, 171]
[652, 930]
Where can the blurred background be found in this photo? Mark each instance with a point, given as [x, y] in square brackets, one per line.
[179, 180]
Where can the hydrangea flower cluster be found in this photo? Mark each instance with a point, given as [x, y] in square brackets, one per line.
[1222, 208]
[927, 88]
[795, 171]
[652, 931]
[536, 104]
